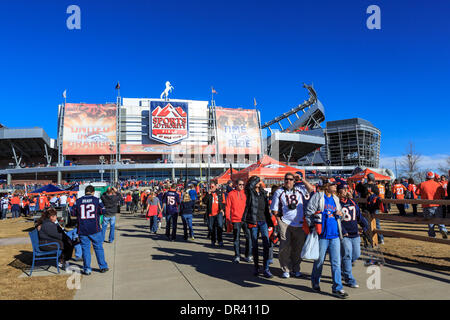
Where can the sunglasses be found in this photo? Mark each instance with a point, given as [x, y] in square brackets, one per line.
[288, 179]
[240, 184]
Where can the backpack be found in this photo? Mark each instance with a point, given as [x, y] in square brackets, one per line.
[374, 203]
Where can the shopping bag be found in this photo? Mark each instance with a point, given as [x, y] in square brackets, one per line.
[310, 249]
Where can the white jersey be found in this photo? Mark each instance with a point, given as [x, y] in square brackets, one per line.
[63, 200]
[281, 201]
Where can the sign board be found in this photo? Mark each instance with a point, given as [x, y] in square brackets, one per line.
[169, 121]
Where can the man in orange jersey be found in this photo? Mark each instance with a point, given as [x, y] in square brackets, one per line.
[432, 190]
[399, 193]
[444, 184]
[412, 194]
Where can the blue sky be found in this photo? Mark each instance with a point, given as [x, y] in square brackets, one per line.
[397, 77]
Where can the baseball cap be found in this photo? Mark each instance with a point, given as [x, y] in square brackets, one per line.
[430, 175]
[342, 186]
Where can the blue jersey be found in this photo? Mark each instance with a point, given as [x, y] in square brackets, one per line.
[351, 218]
[88, 209]
[171, 200]
[329, 223]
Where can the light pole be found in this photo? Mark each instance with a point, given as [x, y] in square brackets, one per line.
[102, 162]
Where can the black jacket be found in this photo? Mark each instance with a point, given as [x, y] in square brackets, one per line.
[208, 199]
[111, 203]
[251, 206]
[187, 207]
[50, 232]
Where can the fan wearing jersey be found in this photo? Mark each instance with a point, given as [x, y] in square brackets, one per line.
[88, 210]
[287, 206]
[399, 192]
[351, 242]
[171, 202]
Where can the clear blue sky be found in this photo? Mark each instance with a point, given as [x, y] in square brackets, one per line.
[397, 77]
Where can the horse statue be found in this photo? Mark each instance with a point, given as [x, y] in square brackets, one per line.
[165, 93]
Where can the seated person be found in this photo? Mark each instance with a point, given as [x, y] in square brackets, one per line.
[50, 231]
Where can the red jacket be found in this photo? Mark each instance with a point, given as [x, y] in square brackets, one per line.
[235, 205]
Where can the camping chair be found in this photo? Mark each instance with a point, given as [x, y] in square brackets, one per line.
[44, 255]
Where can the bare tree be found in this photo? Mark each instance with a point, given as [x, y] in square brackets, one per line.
[445, 167]
[410, 162]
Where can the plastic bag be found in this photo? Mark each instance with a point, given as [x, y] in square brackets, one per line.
[310, 249]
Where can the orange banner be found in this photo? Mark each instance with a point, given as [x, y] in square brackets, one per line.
[238, 131]
[89, 129]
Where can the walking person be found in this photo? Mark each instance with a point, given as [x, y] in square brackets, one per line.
[15, 206]
[412, 188]
[287, 206]
[128, 201]
[110, 200]
[186, 210]
[154, 210]
[258, 219]
[432, 190]
[171, 202]
[4, 206]
[234, 211]
[215, 207]
[88, 210]
[351, 242]
[326, 205]
[399, 192]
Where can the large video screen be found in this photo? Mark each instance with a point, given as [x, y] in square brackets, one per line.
[238, 131]
[89, 129]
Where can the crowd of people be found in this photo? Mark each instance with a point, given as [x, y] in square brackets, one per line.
[283, 216]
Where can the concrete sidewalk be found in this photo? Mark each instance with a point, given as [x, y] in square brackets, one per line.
[147, 266]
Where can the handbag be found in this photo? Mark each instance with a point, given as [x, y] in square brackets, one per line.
[310, 249]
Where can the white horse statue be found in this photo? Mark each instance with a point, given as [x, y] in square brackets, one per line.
[168, 89]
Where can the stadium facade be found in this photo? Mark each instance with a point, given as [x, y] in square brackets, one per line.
[145, 139]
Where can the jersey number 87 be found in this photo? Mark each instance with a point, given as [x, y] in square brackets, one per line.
[347, 215]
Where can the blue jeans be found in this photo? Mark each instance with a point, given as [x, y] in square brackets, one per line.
[215, 225]
[333, 246]
[187, 222]
[112, 222]
[378, 226]
[72, 234]
[171, 221]
[262, 228]
[433, 212]
[97, 243]
[351, 250]
[236, 239]
[154, 223]
[4, 212]
[15, 213]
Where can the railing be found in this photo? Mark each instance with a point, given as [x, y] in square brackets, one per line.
[373, 231]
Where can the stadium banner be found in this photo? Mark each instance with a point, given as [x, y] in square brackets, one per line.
[169, 122]
[163, 149]
[238, 131]
[89, 129]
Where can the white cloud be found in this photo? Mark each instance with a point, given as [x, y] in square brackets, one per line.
[431, 162]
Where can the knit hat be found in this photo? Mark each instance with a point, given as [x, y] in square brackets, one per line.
[430, 175]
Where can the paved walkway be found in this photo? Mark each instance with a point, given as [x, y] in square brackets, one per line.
[147, 266]
[13, 241]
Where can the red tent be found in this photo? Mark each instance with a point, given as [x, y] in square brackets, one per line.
[267, 169]
[225, 177]
[363, 175]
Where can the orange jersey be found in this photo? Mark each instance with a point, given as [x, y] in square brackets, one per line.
[43, 202]
[72, 201]
[382, 190]
[412, 188]
[399, 191]
[15, 200]
[430, 190]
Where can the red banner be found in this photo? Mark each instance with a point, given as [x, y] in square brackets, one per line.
[89, 129]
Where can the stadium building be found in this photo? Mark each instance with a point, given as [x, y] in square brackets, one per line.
[158, 139]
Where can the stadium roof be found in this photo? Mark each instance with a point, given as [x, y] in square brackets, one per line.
[27, 143]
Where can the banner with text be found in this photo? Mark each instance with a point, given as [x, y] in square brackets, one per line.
[238, 131]
[89, 129]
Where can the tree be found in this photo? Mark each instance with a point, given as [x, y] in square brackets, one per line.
[445, 167]
[410, 162]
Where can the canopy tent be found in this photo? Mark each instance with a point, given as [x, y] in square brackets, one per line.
[225, 177]
[267, 169]
[363, 175]
[74, 187]
[48, 189]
